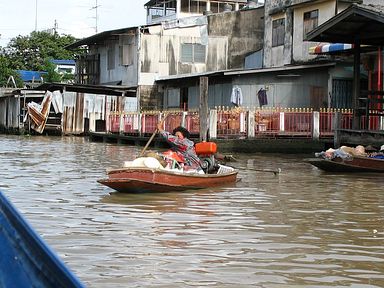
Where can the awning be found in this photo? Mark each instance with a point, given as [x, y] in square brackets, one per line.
[361, 22]
[329, 48]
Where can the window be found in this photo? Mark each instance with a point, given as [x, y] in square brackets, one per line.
[278, 32]
[217, 7]
[173, 98]
[126, 49]
[64, 70]
[192, 53]
[198, 7]
[310, 21]
[161, 9]
[111, 57]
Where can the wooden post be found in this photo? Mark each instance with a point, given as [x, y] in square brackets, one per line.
[92, 122]
[316, 125]
[184, 118]
[381, 123]
[121, 125]
[251, 124]
[336, 128]
[356, 87]
[213, 124]
[203, 108]
[282, 122]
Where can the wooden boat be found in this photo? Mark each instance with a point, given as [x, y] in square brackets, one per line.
[25, 260]
[147, 174]
[142, 179]
[351, 164]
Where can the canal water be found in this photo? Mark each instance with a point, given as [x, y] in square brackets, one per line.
[301, 228]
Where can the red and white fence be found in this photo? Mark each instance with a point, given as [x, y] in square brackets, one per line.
[225, 123]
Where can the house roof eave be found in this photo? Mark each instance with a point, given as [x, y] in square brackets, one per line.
[358, 23]
[113, 90]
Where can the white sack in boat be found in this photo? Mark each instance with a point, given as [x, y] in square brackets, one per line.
[148, 162]
[151, 162]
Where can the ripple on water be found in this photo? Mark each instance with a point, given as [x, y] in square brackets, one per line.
[301, 228]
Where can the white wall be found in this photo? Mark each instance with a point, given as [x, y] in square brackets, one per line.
[125, 73]
[300, 47]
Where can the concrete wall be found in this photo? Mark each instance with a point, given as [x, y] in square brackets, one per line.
[300, 47]
[245, 32]
[269, 6]
[150, 98]
[229, 37]
[295, 49]
[160, 55]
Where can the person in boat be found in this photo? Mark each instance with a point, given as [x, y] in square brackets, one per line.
[377, 154]
[182, 145]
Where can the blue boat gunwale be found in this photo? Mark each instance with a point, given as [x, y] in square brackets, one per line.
[41, 263]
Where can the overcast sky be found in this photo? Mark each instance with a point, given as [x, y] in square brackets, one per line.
[73, 17]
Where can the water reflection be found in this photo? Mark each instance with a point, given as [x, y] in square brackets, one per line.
[302, 227]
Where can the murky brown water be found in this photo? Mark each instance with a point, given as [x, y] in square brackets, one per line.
[302, 228]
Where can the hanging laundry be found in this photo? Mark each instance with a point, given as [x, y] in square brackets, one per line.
[262, 95]
[236, 96]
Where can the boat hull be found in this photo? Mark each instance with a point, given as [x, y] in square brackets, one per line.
[25, 259]
[355, 164]
[137, 180]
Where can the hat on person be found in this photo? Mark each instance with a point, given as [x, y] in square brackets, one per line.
[183, 131]
[370, 148]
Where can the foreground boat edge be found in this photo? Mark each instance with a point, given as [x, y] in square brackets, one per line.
[26, 260]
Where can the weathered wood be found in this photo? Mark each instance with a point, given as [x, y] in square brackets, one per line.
[203, 108]
[356, 86]
[251, 124]
[360, 137]
[336, 126]
[153, 135]
[213, 124]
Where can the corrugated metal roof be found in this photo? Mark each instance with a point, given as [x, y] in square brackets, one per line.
[63, 62]
[242, 71]
[86, 88]
[280, 69]
[152, 2]
[98, 38]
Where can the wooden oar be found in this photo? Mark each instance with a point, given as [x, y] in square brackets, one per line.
[149, 142]
[274, 171]
[152, 136]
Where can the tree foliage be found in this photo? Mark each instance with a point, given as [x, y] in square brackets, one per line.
[32, 52]
[6, 72]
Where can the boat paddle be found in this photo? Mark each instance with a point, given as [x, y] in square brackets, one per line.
[152, 136]
[274, 171]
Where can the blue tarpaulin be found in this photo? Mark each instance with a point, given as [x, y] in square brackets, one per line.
[29, 76]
